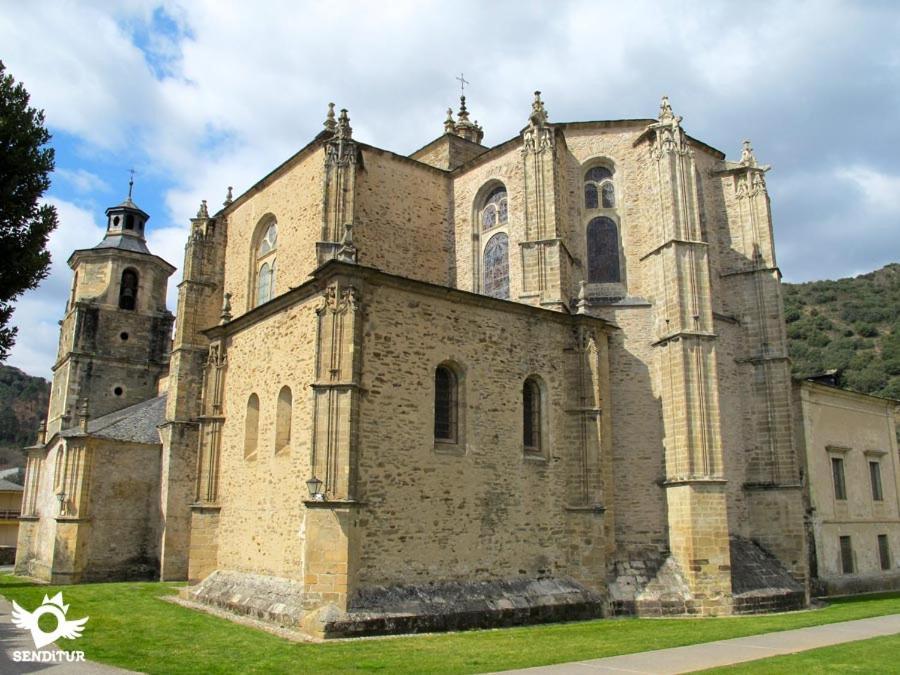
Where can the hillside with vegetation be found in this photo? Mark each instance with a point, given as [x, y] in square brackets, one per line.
[23, 404]
[849, 325]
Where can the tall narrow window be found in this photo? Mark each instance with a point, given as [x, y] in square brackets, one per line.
[599, 191]
[283, 420]
[495, 212]
[128, 289]
[265, 264]
[875, 479]
[446, 405]
[532, 422]
[884, 552]
[846, 555]
[603, 251]
[837, 473]
[251, 427]
[496, 266]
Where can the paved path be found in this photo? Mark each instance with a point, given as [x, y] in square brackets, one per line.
[15, 639]
[726, 652]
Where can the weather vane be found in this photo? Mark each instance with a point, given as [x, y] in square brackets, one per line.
[462, 84]
[130, 183]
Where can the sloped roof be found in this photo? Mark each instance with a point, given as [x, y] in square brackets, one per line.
[125, 242]
[7, 486]
[135, 424]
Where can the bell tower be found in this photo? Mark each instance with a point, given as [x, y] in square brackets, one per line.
[115, 336]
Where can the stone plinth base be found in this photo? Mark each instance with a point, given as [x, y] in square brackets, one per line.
[466, 605]
[400, 609]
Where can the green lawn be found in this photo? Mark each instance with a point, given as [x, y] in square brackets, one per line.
[130, 626]
[877, 655]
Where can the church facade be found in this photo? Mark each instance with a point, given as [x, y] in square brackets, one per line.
[541, 380]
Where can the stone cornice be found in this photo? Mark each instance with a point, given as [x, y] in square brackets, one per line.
[79, 254]
[336, 268]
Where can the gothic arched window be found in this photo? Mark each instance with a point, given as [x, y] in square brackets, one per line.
[446, 405]
[264, 268]
[283, 420]
[128, 289]
[599, 191]
[496, 267]
[495, 212]
[603, 251]
[251, 427]
[532, 421]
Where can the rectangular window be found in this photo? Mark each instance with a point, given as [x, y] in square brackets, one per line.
[846, 555]
[875, 476]
[837, 472]
[884, 552]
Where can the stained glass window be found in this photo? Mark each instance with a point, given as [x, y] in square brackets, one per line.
[598, 174]
[531, 411]
[265, 264]
[599, 189]
[495, 211]
[496, 267]
[264, 284]
[590, 196]
[445, 404]
[609, 195]
[603, 251]
[267, 243]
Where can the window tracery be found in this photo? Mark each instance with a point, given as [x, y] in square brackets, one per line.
[265, 268]
[495, 212]
[599, 191]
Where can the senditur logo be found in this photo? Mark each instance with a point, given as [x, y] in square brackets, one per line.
[64, 628]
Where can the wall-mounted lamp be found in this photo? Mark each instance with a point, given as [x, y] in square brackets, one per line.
[61, 496]
[314, 485]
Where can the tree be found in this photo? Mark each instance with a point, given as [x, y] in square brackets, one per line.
[26, 162]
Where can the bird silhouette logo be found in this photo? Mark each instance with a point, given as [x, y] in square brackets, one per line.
[64, 628]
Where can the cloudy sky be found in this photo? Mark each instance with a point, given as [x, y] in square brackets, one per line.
[201, 94]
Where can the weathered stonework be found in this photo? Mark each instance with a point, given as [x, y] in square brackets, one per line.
[347, 445]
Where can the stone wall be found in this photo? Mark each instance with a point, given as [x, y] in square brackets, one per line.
[400, 219]
[261, 497]
[122, 541]
[482, 508]
[293, 195]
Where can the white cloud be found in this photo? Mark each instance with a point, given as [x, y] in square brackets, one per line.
[82, 181]
[881, 191]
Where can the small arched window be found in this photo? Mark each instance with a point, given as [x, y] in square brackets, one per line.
[532, 421]
[495, 212]
[128, 289]
[265, 264]
[251, 427]
[599, 191]
[496, 267]
[283, 420]
[603, 251]
[446, 405]
[129, 221]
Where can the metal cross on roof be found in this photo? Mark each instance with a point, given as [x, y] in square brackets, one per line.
[462, 83]
[130, 183]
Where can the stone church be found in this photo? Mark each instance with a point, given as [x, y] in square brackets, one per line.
[468, 386]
